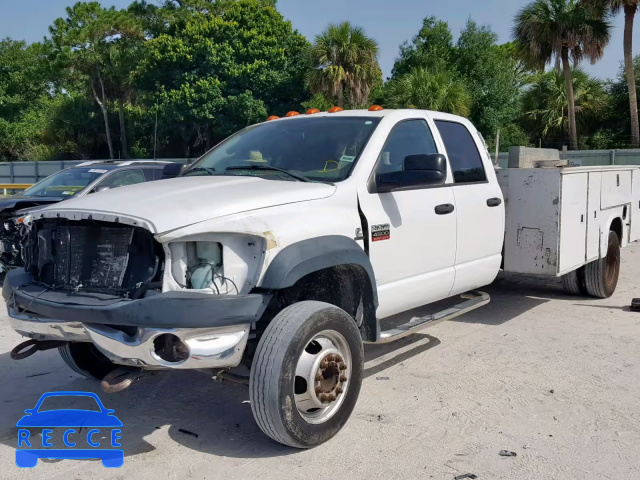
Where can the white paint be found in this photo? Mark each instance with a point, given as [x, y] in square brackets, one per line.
[593, 217]
[634, 231]
[554, 219]
[616, 188]
[573, 221]
[175, 203]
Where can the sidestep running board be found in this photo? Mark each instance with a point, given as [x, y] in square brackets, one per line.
[472, 301]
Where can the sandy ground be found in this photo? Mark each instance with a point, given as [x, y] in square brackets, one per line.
[550, 377]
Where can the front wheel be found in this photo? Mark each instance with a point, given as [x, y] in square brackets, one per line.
[306, 374]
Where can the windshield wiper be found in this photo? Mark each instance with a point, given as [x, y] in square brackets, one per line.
[210, 171]
[297, 176]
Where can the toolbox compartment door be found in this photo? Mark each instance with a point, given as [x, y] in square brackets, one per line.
[634, 231]
[573, 221]
[616, 188]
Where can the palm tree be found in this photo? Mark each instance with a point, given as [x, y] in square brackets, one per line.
[344, 62]
[630, 7]
[424, 89]
[560, 30]
[545, 103]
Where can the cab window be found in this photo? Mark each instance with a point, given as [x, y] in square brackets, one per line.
[464, 157]
[411, 137]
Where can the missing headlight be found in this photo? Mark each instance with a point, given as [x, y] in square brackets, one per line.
[204, 264]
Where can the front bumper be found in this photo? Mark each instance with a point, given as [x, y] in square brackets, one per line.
[213, 329]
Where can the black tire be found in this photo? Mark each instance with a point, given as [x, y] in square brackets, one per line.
[574, 283]
[273, 373]
[86, 360]
[601, 276]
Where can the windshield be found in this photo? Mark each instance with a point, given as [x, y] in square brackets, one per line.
[65, 183]
[321, 149]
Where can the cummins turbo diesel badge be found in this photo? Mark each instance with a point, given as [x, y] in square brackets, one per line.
[380, 232]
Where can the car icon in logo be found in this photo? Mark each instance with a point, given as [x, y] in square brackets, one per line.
[96, 425]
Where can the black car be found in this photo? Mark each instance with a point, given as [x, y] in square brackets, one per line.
[83, 179]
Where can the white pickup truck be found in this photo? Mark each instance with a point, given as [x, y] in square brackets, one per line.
[285, 248]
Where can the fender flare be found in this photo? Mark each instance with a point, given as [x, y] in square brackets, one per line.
[302, 258]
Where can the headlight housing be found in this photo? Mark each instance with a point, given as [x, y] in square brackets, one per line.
[225, 264]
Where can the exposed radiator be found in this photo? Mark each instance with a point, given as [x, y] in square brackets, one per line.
[91, 256]
[74, 255]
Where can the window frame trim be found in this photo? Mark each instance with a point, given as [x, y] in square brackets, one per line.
[484, 169]
[371, 181]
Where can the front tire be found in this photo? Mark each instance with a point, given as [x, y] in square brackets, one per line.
[601, 276]
[306, 374]
[86, 360]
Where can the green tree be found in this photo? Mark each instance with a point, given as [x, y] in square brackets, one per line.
[561, 30]
[546, 103]
[428, 90]
[344, 63]
[212, 74]
[615, 123]
[431, 48]
[630, 8]
[93, 43]
[493, 76]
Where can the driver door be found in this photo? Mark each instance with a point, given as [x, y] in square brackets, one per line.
[412, 232]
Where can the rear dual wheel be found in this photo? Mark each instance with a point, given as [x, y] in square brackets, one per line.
[306, 374]
[599, 278]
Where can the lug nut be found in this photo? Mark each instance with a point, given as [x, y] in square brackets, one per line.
[339, 390]
[342, 366]
[318, 390]
[343, 378]
[319, 377]
[332, 397]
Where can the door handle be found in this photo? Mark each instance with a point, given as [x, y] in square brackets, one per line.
[494, 202]
[444, 209]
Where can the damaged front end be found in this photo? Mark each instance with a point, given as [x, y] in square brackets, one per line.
[87, 255]
[102, 282]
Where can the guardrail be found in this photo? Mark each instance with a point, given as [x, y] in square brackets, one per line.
[14, 186]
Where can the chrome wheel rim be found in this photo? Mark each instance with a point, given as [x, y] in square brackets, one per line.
[322, 376]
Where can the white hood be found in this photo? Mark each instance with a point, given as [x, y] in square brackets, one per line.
[170, 204]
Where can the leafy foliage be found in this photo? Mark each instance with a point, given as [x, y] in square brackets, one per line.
[344, 63]
[428, 90]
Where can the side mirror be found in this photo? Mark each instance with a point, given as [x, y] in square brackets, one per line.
[426, 170]
[103, 188]
[171, 170]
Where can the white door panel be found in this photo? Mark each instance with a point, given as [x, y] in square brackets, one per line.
[573, 224]
[634, 231]
[593, 216]
[479, 207]
[480, 234]
[413, 264]
[412, 248]
[616, 188]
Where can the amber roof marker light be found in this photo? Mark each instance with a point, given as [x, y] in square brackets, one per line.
[273, 117]
[375, 108]
[292, 114]
[311, 111]
[335, 109]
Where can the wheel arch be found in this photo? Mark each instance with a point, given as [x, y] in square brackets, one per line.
[616, 226]
[332, 269]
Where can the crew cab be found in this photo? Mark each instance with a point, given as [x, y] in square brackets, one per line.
[285, 248]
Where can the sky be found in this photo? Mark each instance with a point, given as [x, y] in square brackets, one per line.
[390, 22]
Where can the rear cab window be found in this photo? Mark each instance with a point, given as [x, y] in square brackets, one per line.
[464, 157]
